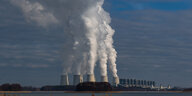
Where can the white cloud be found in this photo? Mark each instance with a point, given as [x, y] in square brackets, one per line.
[37, 66]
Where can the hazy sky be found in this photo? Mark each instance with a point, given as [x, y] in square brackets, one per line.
[153, 41]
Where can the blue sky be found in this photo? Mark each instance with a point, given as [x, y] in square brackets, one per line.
[151, 4]
[153, 41]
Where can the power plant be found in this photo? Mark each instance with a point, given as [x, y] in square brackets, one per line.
[90, 78]
[117, 84]
[88, 40]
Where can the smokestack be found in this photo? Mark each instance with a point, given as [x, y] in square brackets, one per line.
[104, 79]
[77, 79]
[90, 78]
[64, 80]
[115, 81]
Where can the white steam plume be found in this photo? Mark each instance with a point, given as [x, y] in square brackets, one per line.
[102, 52]
[87, 29]
[112, 54]
[34, 11]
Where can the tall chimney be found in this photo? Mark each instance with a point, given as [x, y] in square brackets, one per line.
[77, 79]
[115, 81]
[64, 80]
[90, 78]
[104, 79]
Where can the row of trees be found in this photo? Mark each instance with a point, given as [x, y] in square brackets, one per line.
[10, 87]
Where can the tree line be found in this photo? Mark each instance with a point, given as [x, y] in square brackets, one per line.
[10, 87]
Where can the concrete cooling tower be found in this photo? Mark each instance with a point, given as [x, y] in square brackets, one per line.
[104, 79]
[90, 78]
[115, 81]
[64, 80]
[77, 79]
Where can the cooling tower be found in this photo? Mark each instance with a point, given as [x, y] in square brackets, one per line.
[115, 81]
[64, 80]
[104, 79]
[90, 78]
[77, 79]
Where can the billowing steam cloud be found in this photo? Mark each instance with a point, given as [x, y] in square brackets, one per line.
[35, 12]
[87, 27]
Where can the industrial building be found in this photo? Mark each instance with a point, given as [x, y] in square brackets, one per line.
[79, 84]
[77, 79]
[137, 83]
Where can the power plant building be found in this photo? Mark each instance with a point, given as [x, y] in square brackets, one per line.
[137, 83]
